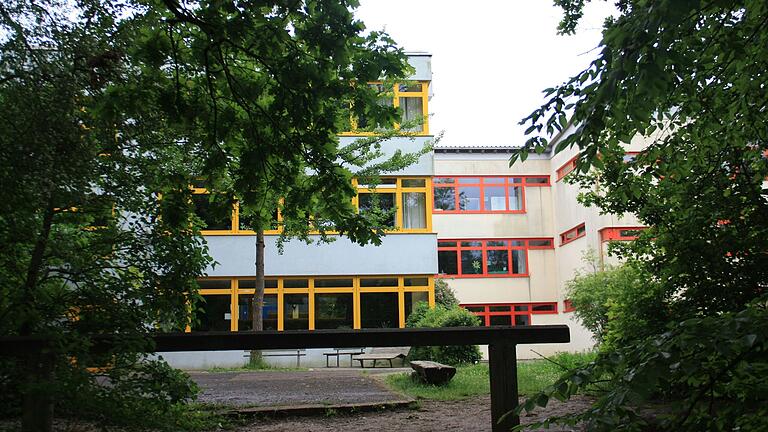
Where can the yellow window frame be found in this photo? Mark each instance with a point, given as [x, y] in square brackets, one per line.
[396, 95]
[399, 190]
[235, 225]
[235, 291]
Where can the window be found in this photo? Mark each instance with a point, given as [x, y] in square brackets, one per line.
[292, 303]
[222, 216]
[215, 214]
[568, 306]
[405, 198]
[572, 234]
[213, 314]
[510, 314]
[567, 168]
[483, 194]
[268, 314]
[333, 311]
[412, 100]
[620, 233]
[379, 310]
[630, 156]
[487, 258]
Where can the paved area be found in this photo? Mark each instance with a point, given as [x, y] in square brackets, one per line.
[292, 388]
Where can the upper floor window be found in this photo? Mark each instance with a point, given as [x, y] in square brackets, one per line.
[572, 234]
[620, 234]
[412, 100]
[406, 198]
[222, 216]
[509, 314]
[483, 194]
[487, 258]
[567, 168]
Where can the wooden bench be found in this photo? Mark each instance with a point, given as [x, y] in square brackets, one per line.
[432, 372]
[337, 352]
[388, 354]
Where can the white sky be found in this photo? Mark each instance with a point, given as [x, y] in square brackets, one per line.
[490, 58]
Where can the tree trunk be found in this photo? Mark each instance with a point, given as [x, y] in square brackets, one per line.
[37, 411]
[257, 305]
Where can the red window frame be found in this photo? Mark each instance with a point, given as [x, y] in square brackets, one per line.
[564, 239]
[630, 156]
[566, 168]
[506, 182]
[568, 306]
[484, 248]
[486, 314]
[619, 233]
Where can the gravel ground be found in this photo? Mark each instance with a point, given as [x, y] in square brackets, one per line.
[345, 386]
[340, 386]
[466, 415]
[271, 388]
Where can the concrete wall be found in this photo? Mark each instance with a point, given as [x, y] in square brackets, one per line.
[422, 63]
[398, 254]
[201, 360]
[405, 144]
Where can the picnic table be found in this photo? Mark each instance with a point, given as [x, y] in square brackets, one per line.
[338, 352]
[387, 354]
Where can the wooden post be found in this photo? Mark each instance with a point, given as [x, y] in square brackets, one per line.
[37, 411]
[502, 365]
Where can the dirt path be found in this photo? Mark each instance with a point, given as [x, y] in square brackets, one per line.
[467, 415]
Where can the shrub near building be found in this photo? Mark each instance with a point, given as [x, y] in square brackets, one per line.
[442, 316]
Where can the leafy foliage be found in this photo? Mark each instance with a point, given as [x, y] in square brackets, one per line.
[618, 304]
[108, 112]
[683, 77]
[710, 365]
[441, 316]
[444, 294]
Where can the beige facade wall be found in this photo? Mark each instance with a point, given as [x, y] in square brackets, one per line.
[550, 211]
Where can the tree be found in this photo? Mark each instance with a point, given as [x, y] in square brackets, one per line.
[268, 86]
[109, 114]
[88, 248]
[690, 76]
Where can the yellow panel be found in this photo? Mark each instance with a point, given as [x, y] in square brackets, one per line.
[234, 312]
[356, 320]
[311, 297]
[416, 289]
[379, 290]
[280, 305]
[431, 291]
[214, 292]
[334, 290]
[296, 290]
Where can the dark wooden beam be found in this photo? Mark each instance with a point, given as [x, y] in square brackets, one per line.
[502, 367]
[214, 341]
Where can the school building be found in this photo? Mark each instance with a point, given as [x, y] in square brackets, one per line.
[505, 239]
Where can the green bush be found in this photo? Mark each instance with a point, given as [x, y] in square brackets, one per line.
[444, 295]
[619, 304]
[441, 316]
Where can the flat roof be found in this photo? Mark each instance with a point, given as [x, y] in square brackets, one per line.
[476, 149]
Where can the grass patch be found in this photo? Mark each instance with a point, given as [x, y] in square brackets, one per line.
[257, 366]
[473, 380]
[470, 380]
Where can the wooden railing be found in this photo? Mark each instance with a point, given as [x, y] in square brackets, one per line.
[501, 341]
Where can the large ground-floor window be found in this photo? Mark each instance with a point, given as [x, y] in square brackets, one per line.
[509, 314]
[309, 303]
